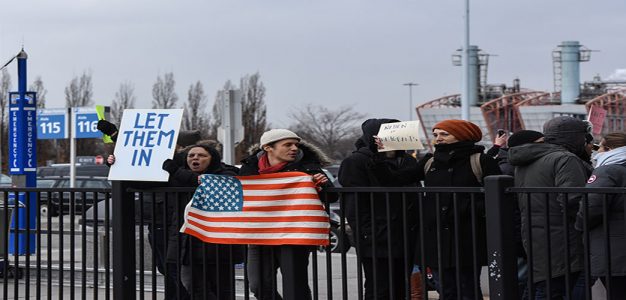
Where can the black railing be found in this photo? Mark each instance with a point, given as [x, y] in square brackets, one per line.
[50, 260]
[460, 239]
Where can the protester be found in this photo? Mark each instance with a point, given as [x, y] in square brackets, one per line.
[457, 162]
[558, 162]
[366, 167]
[217, 282]
[518, 138]
[281, 151]
[610, 172]
[156, 214]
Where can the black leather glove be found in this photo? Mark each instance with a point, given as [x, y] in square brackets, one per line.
[107, 127]
[170, 166]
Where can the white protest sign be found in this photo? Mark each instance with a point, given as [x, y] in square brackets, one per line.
[146, 138]
[400, 136]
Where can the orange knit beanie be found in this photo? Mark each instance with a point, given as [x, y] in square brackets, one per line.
[462, 130]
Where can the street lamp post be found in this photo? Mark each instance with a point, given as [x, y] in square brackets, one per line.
[410, 85]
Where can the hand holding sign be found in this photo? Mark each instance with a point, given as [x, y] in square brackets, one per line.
[146, 138]
[399, 136]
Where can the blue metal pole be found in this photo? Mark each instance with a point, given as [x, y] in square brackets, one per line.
[26, 173]
[21, 73]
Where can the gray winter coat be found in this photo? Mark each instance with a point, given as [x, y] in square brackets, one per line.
[611, 175]
[549, 165]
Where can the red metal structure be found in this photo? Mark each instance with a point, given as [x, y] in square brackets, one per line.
[503, 112]
[615, 104]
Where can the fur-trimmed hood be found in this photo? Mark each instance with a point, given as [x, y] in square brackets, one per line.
[308, 151]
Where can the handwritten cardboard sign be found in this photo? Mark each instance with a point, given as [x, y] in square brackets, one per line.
[596, 117]
[146, 138]
[400, 136]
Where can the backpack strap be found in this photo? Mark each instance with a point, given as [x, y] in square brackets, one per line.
[474, 163]
[427, 165]
[476, 167]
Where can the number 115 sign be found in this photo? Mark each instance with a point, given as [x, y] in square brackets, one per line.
[52, 123]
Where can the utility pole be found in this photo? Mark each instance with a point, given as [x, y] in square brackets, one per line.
[411, 108]
[465, 101]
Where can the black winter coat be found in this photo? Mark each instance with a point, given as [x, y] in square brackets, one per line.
[606, 176]
[452, 168]
[192, 249]
[374, 232]
[549, 165]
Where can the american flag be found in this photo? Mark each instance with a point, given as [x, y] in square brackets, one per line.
[270, 209]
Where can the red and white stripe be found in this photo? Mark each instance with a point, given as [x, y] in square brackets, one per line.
[278, 209]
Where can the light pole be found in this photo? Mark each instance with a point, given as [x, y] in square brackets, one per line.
[410, 85]
[465, 100]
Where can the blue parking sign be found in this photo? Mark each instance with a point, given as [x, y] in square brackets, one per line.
[52, 123]
[85, 122]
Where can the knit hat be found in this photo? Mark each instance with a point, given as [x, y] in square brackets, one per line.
[370, 128]
[461, 130]
[568, 132]
[189, 137]
[523, 137]
[275, 135]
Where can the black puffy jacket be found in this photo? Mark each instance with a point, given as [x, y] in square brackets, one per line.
[549, 165]
[612, 175]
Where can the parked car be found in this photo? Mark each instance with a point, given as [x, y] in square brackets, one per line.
[5, 181]
[334, 171]
[60, 202]
[81, 170]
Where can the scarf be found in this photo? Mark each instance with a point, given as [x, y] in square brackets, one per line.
[458, 150]
[266, 168]
[615, 156]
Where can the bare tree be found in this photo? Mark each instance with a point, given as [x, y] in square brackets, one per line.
[5, 88]
[79, 92]
[124, 98]
[254, 111]
[46, 149]
[37, 87]
[334, 131]
[163, 93]
[196, 116]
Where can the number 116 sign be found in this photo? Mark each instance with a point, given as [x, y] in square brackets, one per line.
[85, 123]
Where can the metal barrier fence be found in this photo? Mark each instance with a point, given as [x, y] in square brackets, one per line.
[460, 239]
[51, 259]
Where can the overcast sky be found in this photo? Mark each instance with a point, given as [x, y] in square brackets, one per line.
[333, 53]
